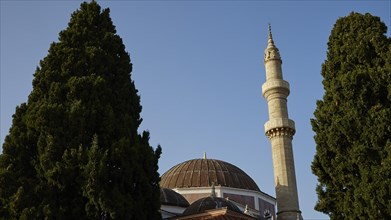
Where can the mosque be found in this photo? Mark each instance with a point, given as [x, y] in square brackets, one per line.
[214, 189]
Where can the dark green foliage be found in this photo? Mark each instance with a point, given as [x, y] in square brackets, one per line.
[353, 122]
[73, 151]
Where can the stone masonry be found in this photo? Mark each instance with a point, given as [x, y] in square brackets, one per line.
[280, 130]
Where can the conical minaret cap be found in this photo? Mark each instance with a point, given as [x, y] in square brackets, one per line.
[270, 42]
[271, 52]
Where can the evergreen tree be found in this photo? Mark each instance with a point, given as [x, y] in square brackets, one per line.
[73, 151]
[353, 122]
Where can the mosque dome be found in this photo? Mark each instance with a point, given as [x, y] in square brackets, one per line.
[205, 173]
[208, 203]
[170, 197]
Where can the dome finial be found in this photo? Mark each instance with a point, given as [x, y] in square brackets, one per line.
[204, 155]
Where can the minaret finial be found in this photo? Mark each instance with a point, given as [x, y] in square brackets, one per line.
[270, 37]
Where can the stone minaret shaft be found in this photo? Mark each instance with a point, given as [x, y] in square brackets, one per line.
[280, 130]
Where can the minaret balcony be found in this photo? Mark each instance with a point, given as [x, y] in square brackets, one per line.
[273, 86]
[280, 126]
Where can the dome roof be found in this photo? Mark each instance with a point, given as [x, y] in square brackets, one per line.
[204, 173]
[209, 203]
[170, 197]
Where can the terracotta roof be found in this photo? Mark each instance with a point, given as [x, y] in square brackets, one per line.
[204, 173]
[217, 214]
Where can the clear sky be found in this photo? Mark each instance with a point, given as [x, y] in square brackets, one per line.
[198, 66]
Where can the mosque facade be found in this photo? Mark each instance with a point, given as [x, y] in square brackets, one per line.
[214, 189]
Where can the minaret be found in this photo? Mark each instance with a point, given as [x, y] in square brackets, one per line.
[280, 130]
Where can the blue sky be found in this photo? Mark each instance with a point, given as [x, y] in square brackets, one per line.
[198, 66]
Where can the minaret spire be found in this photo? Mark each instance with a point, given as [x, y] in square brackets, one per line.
[271, 51]
[270, 37]
[280, 130]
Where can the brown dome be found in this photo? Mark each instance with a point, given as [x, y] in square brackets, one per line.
[205, 172]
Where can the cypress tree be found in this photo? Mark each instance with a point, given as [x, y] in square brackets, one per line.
[353, 122]
[73, 151]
